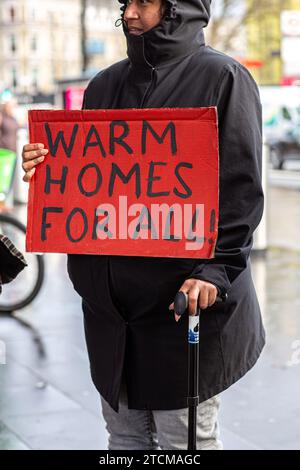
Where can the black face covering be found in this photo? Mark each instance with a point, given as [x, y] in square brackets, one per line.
[180, 33]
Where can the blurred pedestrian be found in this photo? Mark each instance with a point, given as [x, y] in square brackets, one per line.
[8, 123]
[138, 353]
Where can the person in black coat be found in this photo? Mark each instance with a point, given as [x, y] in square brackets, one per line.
[136, 348]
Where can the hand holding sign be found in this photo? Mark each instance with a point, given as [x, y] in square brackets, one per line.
[32, 155]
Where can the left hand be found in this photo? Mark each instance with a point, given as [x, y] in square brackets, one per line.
[200, 293]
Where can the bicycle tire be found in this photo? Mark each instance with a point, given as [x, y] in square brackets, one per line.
[8, 219]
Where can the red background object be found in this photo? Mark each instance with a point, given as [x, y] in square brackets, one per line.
[137, 156]
[251, 63]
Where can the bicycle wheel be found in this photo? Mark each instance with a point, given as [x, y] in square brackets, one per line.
[22, 290]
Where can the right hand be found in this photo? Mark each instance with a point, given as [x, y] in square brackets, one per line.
[32, 155]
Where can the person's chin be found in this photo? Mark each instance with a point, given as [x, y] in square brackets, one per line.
[136, 32]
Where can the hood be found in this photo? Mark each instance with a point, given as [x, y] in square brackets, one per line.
[179, 34]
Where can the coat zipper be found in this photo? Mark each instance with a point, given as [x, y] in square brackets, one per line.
[149, 88]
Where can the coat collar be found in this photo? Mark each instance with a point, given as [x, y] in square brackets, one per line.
[142, 51]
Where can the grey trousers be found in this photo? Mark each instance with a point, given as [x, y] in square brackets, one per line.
[160, 429]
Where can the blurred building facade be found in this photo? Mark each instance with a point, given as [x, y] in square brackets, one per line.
[267, 41]
[264, 35]
[105, 43]
[41, 41]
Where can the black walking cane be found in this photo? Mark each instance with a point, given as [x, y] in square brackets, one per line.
[180, 306]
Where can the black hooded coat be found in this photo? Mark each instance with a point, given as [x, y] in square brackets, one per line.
[130, 332]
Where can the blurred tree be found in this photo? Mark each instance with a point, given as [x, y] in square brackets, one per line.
[84, 54]
[229, 20]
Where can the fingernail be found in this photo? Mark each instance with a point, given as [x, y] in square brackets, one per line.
[41, 146]
[177, 317]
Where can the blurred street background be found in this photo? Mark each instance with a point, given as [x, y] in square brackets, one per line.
[48, 52]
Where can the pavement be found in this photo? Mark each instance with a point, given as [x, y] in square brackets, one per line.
[47, 400]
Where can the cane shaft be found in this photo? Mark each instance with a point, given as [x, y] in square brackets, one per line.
[193, 379]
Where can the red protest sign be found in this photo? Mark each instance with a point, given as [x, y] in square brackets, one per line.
[140, 182]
